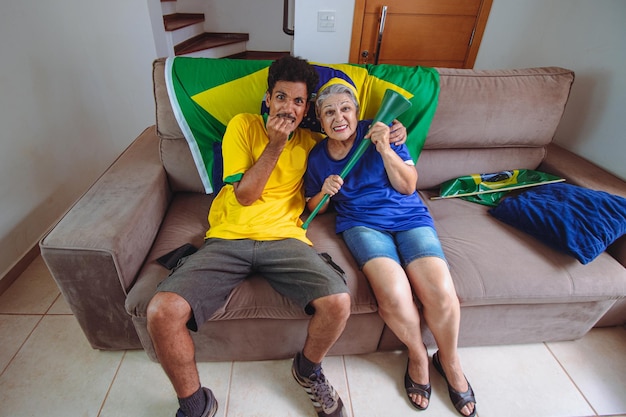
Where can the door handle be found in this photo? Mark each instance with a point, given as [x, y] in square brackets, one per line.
[381, 29]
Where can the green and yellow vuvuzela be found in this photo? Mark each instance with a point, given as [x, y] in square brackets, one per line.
[392, 106]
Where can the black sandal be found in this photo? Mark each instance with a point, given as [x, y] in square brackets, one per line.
[413, 387]
[459, 399]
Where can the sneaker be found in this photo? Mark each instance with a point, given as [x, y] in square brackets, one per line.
[324, 397]
[211, 405]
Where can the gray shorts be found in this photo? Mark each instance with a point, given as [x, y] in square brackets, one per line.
[292, 268]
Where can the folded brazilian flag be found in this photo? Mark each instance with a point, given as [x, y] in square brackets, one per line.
[488, 189]
[206, 93]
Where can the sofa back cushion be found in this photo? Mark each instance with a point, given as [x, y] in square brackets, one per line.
[492, 120]
[175, 154]
[485, 121]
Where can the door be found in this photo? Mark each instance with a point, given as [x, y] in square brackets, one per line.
[433, 33]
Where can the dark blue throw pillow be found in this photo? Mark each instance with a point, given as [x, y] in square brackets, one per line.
[578, 221]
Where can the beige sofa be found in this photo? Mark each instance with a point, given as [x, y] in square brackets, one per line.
[512, 288]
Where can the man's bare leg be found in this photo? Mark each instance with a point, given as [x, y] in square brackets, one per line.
[326, 325]
[168, 314]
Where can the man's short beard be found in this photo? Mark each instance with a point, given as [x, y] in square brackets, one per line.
[286, 116]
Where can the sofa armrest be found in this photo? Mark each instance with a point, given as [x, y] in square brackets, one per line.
[579, 171]
[95, 251]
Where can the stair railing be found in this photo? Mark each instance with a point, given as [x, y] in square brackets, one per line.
[286, 29]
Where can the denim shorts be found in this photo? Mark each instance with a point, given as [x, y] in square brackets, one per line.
[404, 247]
[293, 268]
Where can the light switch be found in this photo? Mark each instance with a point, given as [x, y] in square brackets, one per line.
[326, 21]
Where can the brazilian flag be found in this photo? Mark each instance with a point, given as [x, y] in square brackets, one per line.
[489, 189]
[206, 93]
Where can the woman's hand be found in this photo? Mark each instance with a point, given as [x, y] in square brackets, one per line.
[379, 135]
[332, 185]
[403, 177]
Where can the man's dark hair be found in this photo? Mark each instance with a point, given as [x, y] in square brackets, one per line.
[293, 69]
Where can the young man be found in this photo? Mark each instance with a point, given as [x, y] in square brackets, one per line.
[255, 227]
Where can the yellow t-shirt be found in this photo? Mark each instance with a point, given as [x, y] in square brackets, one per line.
[276, 215]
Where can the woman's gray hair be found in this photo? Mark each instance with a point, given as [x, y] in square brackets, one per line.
[331, 90]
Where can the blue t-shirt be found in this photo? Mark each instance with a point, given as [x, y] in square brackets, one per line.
[367, 197]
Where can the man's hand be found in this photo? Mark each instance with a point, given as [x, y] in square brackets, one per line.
[279, 127]
[398, 133]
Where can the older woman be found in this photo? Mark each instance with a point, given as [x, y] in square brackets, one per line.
[391, 234]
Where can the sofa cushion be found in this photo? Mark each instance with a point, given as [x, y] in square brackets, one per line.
[494, 263]
[438, 165]
[575, 220]
[498, 108]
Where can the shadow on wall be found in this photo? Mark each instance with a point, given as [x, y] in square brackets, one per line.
[16, 246]
[587, 102]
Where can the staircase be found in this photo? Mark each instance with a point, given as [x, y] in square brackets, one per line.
[186, 36]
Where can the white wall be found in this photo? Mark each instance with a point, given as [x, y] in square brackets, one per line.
[75, 91]
[162, 42]
[323, 47]
[588, 37]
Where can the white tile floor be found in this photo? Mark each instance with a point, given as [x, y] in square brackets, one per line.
[48, 369]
